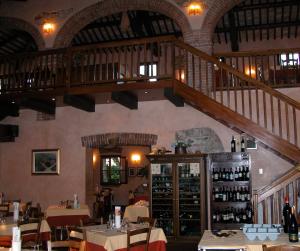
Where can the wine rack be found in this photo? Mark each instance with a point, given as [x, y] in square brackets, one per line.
[230, 190]
[178, 193]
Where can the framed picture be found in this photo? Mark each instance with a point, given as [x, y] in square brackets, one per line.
[131, 171]
[45, 161]
[140, 171]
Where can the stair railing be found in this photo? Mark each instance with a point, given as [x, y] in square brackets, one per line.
[277, 67]
[261, 104]
[268, 202]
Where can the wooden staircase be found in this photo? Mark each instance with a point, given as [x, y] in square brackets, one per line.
[228, 95]
[238, 101]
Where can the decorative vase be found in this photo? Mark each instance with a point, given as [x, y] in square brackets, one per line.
[180, 150]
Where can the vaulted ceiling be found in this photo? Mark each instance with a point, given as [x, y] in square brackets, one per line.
[254, 20]
[126, 25]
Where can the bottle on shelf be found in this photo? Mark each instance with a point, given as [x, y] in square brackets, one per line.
[286, 215]
[243, 145]
[293, 227]
[233, 144]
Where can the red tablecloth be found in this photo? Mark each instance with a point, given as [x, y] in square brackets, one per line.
[66, 220]
[153, 246]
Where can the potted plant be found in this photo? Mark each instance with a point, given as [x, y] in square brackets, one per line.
[181, 146]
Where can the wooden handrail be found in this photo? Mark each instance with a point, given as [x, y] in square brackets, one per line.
[278, 184]
[255, 53]
[242, 76]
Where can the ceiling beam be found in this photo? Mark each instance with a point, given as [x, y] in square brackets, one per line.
[174, 99]
[265, 5]
[126, 99]
[233, 32]
[8, 110]
[8, 132]
[81, 102]
[39, 105]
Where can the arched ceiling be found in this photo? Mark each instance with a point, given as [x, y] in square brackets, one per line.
[254, 20]
[126, 25]
[15, 41]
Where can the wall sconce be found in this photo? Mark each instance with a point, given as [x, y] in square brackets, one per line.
[94, 158]
[195, 8]
[48, 27]
[251, 72]
[136, 158]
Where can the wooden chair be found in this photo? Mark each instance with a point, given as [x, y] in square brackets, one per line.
[71, 244]
[30, 233]
[280, 248]
[4, 210]
[144, 241]
[151, 221]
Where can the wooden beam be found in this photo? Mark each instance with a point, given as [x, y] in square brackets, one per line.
[82, 102]
[7, 109]
[233, 32]
[126, 99]
[39, 105]
[173, 98]
[8, 132]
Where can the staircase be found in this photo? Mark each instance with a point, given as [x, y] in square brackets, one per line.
[268, 201]
[226, 94]
[238, 100]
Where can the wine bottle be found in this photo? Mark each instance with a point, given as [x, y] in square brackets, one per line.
[243, 145]
[233, 145]
[286, 215]
[293, 228]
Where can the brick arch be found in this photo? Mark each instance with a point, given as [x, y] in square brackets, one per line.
[216, 10]
[19, 24]
[109, 7]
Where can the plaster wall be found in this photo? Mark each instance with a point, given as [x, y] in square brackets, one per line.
[157, 117]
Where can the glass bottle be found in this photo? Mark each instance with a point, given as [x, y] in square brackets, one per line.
[243, 145]
[286, 215]
[233, 144]
[293, 228]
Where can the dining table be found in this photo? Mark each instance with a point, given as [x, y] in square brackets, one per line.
[58, 215]
[8, 223]
[132, 212]
[102, 238]
[237, 240]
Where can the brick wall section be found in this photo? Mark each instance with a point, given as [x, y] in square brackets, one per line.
[119, 139]
[19, 24]
[108, 7]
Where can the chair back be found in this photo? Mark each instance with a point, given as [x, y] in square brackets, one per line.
[30, 233]
[138, 237]
[4, 210]
[281, 248]
[151, 221]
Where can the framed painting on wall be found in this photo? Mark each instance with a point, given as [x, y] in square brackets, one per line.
[45, 162]
[131, 171]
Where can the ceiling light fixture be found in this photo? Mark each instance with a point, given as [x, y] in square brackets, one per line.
[195, 8]
[48, 27]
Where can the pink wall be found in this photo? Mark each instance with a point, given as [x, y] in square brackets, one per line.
[157, 117]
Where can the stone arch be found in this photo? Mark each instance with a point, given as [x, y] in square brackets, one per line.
[109, 7]
[215, 11]
[19, 24]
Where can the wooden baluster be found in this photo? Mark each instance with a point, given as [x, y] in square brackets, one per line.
[295, 193]
[221, 84]
[151, 59]
[276, 218]
[166, 60]
[106, 64]
[82, 66]
[186, 74]
[295, 127]
[214, 82]
[255, 207]
[131, 61]
[193, 71]
[206, 76]
[243, 97]
[279, 118]
[229, 84]
[125, 63]
[265, 211]
[257, 105]
[145, 62]
[138, 61]
[51, 69]
[94, 66]
[100, 65]
[274, 72]
[235, 84]
[87, 67]
[287, 122]
[265, 109]
[200, 77]
[272, 113]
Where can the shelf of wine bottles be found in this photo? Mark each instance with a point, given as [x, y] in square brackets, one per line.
[230, 194]
[162, 198]
[189, 201]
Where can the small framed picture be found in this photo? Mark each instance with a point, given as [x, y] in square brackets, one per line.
[131, 171]
[45, 162]
[140, 171]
